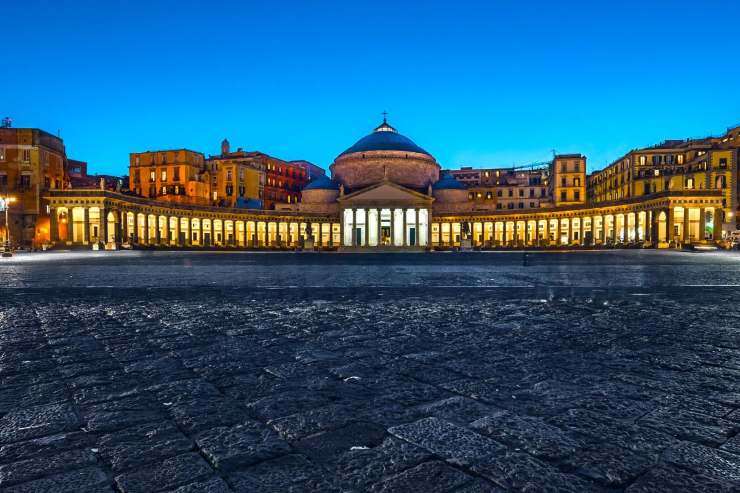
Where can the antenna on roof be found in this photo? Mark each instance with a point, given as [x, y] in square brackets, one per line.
[385, 116]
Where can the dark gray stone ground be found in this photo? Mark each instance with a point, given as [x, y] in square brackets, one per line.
[288, 372]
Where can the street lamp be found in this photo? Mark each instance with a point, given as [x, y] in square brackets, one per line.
[5, 204]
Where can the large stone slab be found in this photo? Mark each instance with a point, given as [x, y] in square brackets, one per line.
[231, 447]
[451, 442]
[165, 475]
[37, 421]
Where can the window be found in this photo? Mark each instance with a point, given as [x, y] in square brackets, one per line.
[521, 205]
[137, 160]
[163, 175]
[576, 182]
[229, 190]
[3, 180]
[498, 206]
[215, 195]
[563, 168]
[531, 192]
[563, 182]
[2, 154]
[563, 195]
[136, 175]
[510, 205]
[152, 176]
[680, 158]
[489, 195]
[643, 160]
[164, 190]
[531, 205]
[511, 192]
[577, 195]
[498, 193]
[521, 192]
[723, 162]
[689, 183]
[241, 174]
[575, 166]
[176, 174]
[229, 174]
[242, 190]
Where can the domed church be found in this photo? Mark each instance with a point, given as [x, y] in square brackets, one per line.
[382, 188]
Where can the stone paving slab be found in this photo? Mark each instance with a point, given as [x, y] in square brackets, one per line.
[197, 388]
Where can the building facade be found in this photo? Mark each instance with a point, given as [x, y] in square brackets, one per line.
[387, 193]
[176, 175]
[32, 162]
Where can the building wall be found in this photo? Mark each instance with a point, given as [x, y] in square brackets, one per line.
[568, 179]
[177, 175]
[32, 162]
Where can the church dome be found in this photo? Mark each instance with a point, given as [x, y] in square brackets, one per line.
[322, 182]
[448, 182]
[385, 138]
[385, 155]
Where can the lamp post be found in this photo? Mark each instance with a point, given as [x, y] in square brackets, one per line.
[5, 204]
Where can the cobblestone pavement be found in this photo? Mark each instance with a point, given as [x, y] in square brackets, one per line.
[439, 383]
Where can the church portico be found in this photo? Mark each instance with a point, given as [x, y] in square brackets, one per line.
[385, 216]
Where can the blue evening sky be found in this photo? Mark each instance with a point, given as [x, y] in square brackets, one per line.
[475, 83]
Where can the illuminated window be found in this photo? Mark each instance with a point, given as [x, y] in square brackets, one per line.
[26, 155]
[152, 176]
[689, 183]
[643, 160]
[163, 175]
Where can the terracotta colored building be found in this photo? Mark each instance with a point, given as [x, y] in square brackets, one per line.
[176, 175]
[283, 181]
[32, 162]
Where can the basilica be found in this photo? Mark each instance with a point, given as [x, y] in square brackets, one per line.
[386, 193]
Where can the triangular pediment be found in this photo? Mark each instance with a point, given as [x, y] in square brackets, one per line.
[385, 193]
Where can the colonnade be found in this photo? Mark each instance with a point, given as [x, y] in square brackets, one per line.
[674, 226]
[89, 225]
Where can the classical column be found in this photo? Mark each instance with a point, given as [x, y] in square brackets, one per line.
[135, 235]
[570, 231]
[53, 226]
[103, 225]
[393, 228]
[354, 227]
[686, 226]
[146, 229]
[702, 224]
[669, 224]
[718, 220]
[515, 233]
[405, 241]
[123, 216]
[377, 226]
[582, 231]
[86, 225]
[157, 231]
[188, 232]
[416, 228]
[341, 227]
